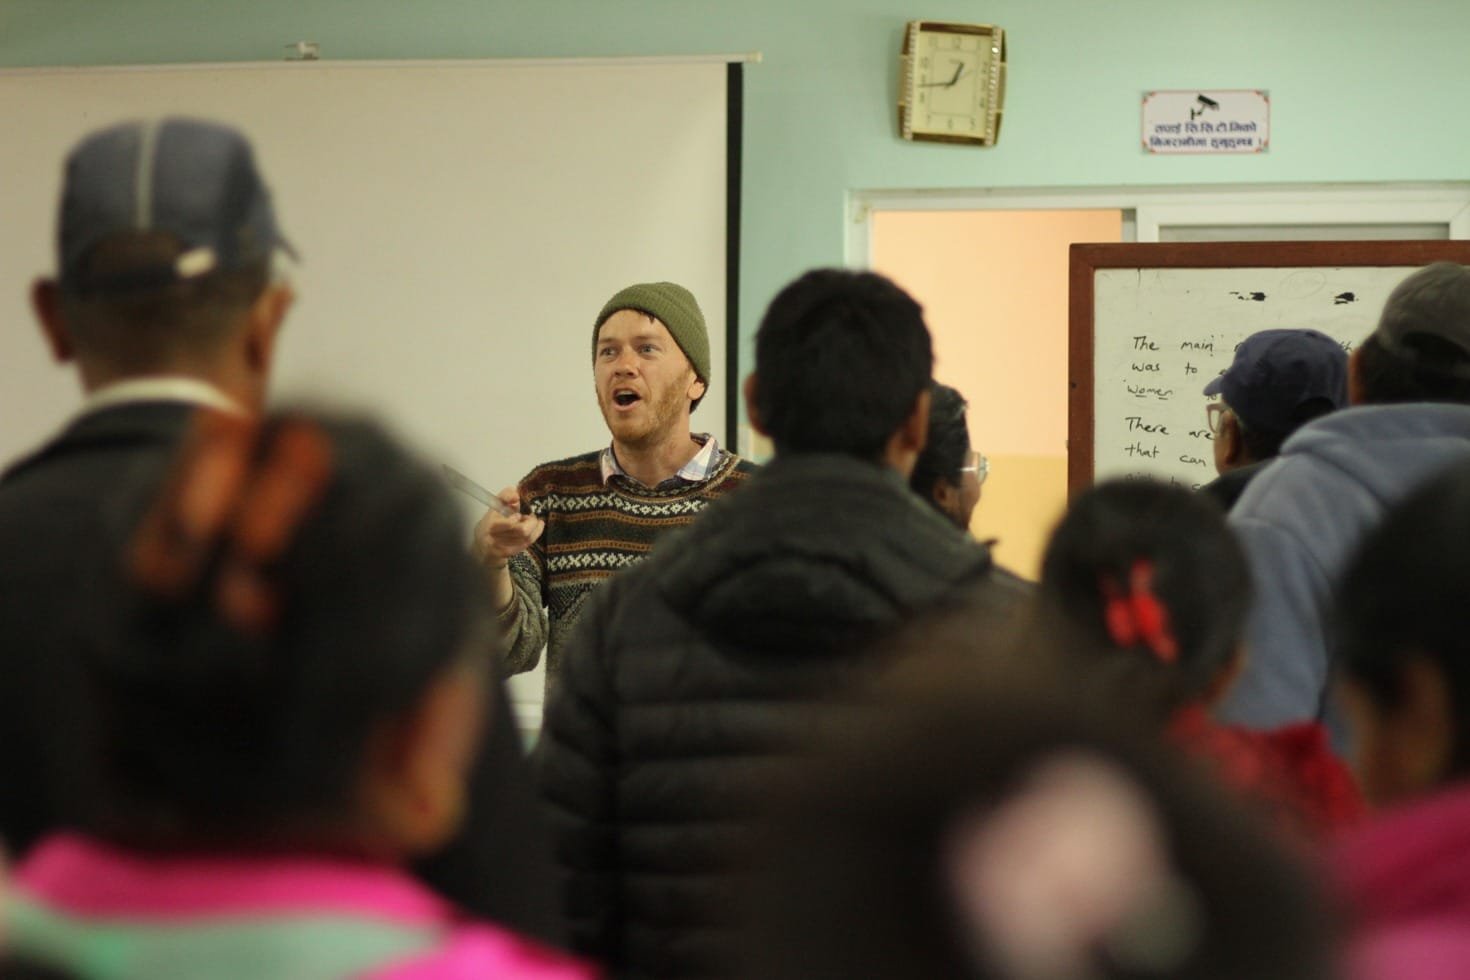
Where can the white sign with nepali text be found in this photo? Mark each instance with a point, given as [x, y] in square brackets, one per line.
[1192, 121]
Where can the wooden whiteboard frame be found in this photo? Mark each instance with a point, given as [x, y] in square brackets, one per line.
[1087, 259]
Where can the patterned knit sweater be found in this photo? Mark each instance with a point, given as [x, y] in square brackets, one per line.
[592, 530]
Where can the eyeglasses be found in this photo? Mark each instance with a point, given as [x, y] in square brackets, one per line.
[1215, 416]
[976, 463]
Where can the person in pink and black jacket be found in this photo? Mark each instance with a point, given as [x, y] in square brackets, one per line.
[288, 678]
[1405, 654]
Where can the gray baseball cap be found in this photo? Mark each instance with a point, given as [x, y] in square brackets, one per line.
[1432, 302]
[193, 179]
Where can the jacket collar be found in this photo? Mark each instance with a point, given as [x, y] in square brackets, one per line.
[84, 876]
[122, 426]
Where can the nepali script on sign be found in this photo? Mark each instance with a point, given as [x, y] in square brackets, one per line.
[1194, 121]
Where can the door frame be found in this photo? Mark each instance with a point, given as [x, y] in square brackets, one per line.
[1148, 210]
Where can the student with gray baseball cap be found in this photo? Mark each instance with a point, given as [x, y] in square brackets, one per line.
[168, 298]
[163, 301]
[191, 180]
[1279, 381]
[1303, 517]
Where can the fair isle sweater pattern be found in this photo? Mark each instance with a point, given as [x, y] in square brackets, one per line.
[593, 530]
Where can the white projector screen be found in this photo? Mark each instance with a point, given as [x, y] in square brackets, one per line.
[460, 224]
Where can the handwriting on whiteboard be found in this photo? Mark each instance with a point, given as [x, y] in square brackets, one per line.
[1160, 335]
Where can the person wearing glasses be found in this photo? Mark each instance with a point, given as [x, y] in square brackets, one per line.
[1279, 381]
[949, 474]
[1305, 515]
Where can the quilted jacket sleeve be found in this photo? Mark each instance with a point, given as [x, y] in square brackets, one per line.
[578, 760]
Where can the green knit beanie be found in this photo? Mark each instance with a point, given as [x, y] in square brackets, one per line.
[673, 306]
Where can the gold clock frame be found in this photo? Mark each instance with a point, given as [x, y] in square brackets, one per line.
[995, 84]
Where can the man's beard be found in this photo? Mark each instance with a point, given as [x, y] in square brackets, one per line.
[658, 418]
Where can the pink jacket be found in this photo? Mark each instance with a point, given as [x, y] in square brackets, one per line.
[111, 914]
[1406, 879]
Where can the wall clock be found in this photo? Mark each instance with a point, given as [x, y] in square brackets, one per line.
[952, 82]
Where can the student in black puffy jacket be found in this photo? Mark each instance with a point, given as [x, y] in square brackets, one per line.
[692, 676]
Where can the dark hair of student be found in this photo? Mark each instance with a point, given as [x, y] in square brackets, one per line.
[18, 968]
[851, 877]
[1261, 443]
[840, 359]
[1385, 378]
[139, 329]
[1405, 595]
[948, 444]
[1150, 571]
[241, 665]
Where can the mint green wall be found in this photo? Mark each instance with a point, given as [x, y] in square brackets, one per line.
[1361, 91]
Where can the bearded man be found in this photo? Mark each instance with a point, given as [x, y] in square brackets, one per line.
[584, 518]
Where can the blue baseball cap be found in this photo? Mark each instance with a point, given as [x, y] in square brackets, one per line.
[193, 179]
[1275, 372]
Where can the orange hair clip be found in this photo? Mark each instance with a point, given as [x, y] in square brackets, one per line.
[175, 538]
[223, 494]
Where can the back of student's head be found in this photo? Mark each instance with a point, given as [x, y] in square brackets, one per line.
[948, 445]
[1149, 571]
[1005, 830]
[1401, 630]
[296, 591]
[154, 327]
[1420, 351]
[1261, 444]
[841, 358]
[21, 968]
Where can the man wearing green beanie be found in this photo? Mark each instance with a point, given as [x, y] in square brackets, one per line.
[584, 518]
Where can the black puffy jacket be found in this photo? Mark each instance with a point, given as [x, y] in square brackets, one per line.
[692, 675]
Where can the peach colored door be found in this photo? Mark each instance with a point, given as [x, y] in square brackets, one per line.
[994, 289]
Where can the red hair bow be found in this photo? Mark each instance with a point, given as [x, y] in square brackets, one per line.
[1137, 617]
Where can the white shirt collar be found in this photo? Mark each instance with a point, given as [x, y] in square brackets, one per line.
[168, 388]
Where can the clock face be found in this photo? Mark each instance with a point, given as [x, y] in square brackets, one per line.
[951, 84]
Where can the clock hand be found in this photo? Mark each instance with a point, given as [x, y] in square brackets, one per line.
[959, 71]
